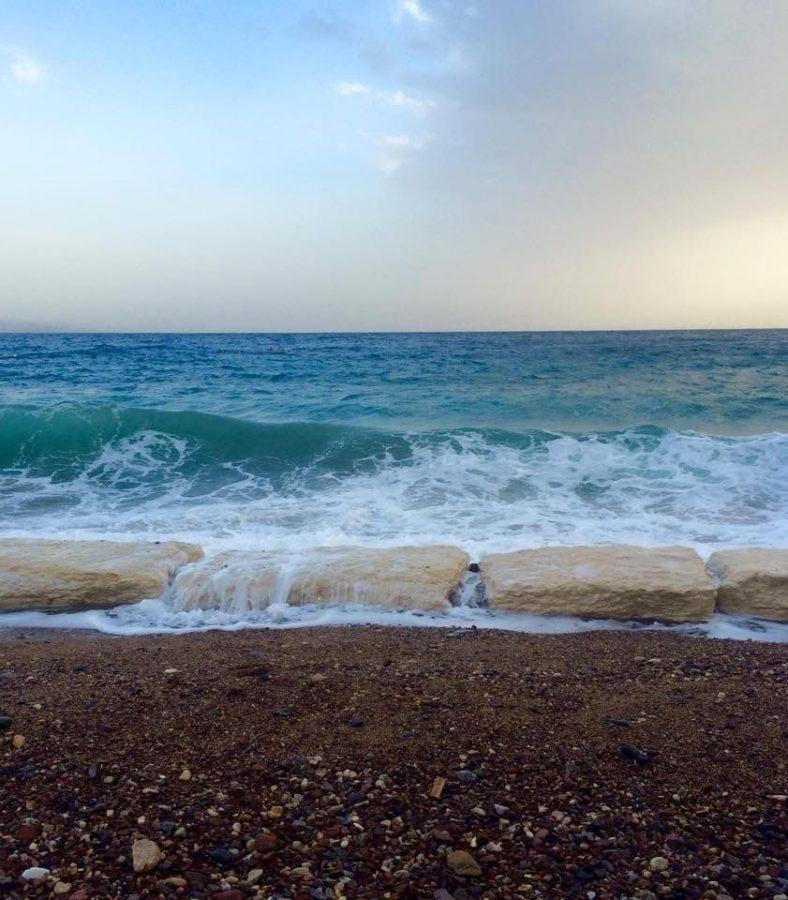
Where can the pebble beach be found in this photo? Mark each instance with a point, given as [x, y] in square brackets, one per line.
[392, 762]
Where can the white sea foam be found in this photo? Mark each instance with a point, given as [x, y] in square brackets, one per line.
[464, 489]
[160, 617]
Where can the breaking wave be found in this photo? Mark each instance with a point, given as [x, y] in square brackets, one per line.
[86, 471]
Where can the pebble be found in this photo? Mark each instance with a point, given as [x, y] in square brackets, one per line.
[265, 842]
[185, 775]
[658, 864]
[276, 812]
[222, 856]
[462, 863]
[35, 873]
[5, 723]
[356, 721]
[630, 752]
[61, 888]
[467, 777]
[254, 876]
[145, 855]
[19, 741]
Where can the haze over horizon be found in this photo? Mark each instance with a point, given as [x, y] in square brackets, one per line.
[393, 165]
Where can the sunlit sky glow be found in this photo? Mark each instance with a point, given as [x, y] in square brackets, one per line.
[393, 164]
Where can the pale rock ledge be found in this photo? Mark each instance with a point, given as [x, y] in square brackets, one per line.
[752, 582]
[411, 578]
[75, 575]
[664, 584]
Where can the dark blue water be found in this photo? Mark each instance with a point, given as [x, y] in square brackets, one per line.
[483, 440]
[716, 382]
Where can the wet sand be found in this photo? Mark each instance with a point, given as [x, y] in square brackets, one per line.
[301, 764]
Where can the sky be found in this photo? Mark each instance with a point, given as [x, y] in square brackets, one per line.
[295, 165]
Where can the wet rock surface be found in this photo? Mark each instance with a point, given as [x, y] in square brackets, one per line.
[487, 766]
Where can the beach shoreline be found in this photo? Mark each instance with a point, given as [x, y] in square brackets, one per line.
[293, 762]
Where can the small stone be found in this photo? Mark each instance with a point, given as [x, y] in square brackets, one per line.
[658, 864]
[19, 741]
[356, 721]
[222, 856]
[467, 777]
[35, 873]
[180, 832]
[185, 775]
[171, 671]
[27, 833]
[254, 876]
[145, 855]
[275, 812]
[232, 894]
[61, 888]
[462, 863]
[175, 881]
[437, 787]
[5, 723]
[628, 751]
[265, 842]
[317, 677]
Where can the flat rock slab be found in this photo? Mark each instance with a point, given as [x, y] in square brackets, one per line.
[665, 584]
[752, 582]
[76, 575]
[418, 578]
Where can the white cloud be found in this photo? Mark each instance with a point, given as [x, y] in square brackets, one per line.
[353, 88]
[24, 69]
[397, 148]
[414, 10]
[392, 98]
[398, 98]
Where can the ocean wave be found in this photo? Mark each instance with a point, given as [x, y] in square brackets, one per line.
[99, 471]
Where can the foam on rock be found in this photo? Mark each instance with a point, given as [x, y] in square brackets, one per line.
[408, 578]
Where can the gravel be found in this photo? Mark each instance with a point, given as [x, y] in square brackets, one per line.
[487, 766]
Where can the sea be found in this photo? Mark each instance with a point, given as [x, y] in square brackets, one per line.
[486, 441]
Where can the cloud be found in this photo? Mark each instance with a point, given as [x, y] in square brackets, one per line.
[353, 89]
[399, 99]
[24, 69]
[396, 149]
[414, 10]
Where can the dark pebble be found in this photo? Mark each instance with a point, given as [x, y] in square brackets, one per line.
[222, 856]
[630, 752]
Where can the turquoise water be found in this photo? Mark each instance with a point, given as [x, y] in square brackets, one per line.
[488, 441]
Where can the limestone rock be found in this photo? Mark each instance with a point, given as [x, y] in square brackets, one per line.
[145, 855]
[398, 578]
[72, 575]
[752, 582]
[237, 581]
[422, 578]
[665, 584]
